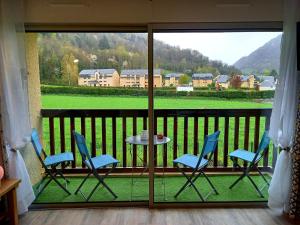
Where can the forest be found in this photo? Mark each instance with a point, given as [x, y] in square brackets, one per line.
[63, 55]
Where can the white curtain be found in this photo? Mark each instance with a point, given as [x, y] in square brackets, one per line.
[14, 96]
[284, 111]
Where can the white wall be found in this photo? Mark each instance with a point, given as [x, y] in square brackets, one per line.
[145, 11]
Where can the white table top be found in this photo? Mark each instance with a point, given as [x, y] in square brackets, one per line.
[136, 140]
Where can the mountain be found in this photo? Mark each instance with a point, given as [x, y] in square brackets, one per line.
[57, 52]
[264, 58]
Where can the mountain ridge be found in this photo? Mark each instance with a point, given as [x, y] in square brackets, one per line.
[266, 57]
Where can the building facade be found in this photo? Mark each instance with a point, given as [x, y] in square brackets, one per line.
[99, 78]
[247, 81]
[172, 79]
[202, 79]
[139, 78]
[222, 81]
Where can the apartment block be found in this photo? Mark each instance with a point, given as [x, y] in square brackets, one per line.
[172, 79]
[222, 81]
[202, 79]
[99, 78]
[139, 78]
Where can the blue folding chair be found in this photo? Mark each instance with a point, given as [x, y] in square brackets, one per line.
[94, 164]
[252, 159]
[50, 164]
[198, 164]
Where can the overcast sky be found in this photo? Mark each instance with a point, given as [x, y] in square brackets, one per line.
[227, 47]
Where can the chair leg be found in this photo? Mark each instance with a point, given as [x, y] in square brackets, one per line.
[264, 178]
[195, 178]
[238, 180]
[43, 188]
[101, 180]
[81, 184]
[184, 186]
[210, 183]
[62, 176]
[192, 184]
[58, 183]
[92, 192]
[42, 181]
[255, 186]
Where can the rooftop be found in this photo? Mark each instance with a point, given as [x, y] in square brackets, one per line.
[100, 71]
[222, 78]
[202, 76]
[139, 72]
[245, 77]
[267, 83]
[176, 75]
[266, 78]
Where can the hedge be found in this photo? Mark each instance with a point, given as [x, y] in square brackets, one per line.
[228, 94]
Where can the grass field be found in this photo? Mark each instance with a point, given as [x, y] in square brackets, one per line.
[129, 102]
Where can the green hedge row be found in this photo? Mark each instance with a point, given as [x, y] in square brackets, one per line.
[230, 94]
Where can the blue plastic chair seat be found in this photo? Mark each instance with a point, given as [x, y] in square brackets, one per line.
[101, 161]
[58, 158]
[244, 155]
[191, 161]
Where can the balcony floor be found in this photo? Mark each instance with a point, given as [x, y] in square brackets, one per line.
[121, 185]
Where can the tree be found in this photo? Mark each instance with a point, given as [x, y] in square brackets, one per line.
[274, 74]
[69, 70]
[208, 69]
[184, 79]
[103, 43]
[266, 72]
[236, 81]
[212, 85]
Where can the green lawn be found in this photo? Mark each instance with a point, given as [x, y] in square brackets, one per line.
[129, 102]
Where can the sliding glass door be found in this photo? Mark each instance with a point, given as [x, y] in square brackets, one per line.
[217, 85]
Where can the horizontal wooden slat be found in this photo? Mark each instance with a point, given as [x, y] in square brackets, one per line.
[161, 170]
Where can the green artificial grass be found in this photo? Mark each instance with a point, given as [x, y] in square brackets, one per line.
[243, 191]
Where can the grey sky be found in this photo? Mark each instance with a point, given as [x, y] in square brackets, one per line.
[227, 47]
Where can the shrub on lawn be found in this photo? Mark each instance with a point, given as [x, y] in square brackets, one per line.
[229, 94]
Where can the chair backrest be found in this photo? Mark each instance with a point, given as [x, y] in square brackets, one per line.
[262, 147]
[83, 150]
[209, 146]
[35, 140]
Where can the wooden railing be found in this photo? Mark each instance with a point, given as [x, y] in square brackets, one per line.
[106, 130]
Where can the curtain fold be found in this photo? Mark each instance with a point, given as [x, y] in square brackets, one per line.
[283, 118]
[14, 96]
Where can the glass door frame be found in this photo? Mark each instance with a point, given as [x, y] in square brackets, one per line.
[150, 29]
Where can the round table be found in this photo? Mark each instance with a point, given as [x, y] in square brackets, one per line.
[136, 140]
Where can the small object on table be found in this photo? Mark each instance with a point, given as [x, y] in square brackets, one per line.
[160, 136]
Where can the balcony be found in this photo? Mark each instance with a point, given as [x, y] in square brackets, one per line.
[106, 130]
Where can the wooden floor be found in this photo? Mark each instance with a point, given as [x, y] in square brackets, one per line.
[139, 216]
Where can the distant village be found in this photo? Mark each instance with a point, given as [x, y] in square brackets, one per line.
[139, 78]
